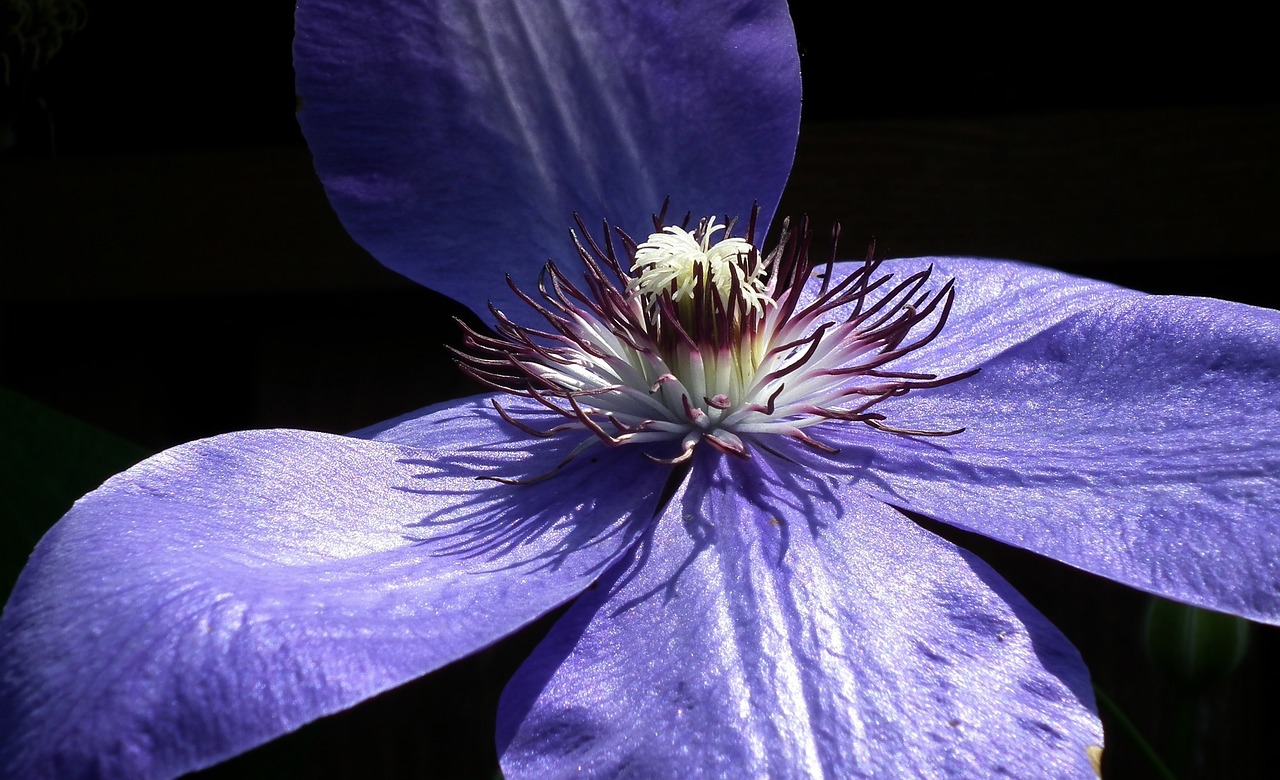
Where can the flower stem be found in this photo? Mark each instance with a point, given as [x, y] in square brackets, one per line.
[1127, 726]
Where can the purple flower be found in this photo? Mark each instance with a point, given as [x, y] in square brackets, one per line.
[705, 448]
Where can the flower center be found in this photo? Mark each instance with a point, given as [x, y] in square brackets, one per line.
[685, 340]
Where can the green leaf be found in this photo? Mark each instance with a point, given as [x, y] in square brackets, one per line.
[47, 461]
[1193, 646]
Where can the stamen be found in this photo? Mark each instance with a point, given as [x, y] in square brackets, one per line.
[685, 339]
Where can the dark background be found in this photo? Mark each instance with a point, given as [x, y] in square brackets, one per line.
[169, 269]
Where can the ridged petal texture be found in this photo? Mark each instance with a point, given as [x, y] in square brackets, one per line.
[456, 138]
[226, 591]
[779, 624]
[1138, 439]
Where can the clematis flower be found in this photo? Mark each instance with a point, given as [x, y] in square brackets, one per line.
[706, 447]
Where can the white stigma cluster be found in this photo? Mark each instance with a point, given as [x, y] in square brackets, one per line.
[675, 262]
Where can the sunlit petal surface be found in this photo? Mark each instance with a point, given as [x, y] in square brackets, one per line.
[1138, 439]
[226, 591]
[783, 625]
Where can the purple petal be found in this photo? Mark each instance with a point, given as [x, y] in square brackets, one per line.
[456, 139]
[229, 590]
[998, 303]
[803, 630]
[1138, 440]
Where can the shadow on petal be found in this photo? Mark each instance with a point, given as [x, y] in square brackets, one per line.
[500, 519]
